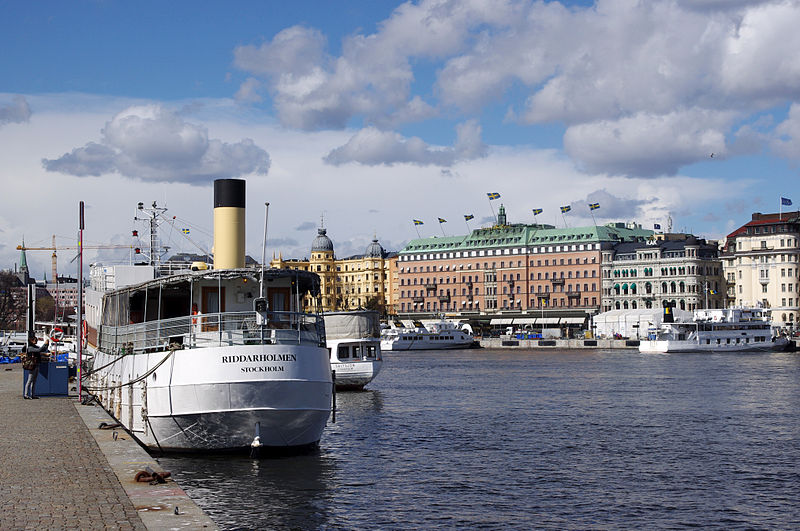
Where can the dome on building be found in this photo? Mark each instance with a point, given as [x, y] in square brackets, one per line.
[374, 249]
[322, 243]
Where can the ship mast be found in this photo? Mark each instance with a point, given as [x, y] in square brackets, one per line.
[154, 219]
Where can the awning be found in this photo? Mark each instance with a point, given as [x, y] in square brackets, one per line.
[573, 320]
[548, 320]
[525, 320]
[625, 286]
[498, 321]
[616, 286]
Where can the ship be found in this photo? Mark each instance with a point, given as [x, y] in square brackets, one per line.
[209, 359]
[716, 330]
[435, 335]
[354, 342]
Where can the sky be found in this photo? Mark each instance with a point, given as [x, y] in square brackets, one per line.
[364, 116]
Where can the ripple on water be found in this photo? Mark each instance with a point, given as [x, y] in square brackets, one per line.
[485, 439]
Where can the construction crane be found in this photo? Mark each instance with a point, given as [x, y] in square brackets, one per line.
[55, 248]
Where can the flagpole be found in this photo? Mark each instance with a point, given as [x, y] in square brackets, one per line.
[493, 214]
[416, 228]
[780, 208]
[441, 226]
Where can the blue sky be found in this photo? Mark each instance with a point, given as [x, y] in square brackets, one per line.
[371, 114]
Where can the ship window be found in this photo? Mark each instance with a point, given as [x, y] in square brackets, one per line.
[343, 352]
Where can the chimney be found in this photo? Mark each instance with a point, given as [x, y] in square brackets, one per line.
[229, 221]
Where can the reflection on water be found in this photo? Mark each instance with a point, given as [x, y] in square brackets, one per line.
[515, 439]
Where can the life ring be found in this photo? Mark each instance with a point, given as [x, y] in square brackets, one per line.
[84, 334]
[56, 335]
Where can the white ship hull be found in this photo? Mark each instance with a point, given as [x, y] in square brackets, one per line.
[425, 343]
[672, 346]
[355, 374]
[219, 398]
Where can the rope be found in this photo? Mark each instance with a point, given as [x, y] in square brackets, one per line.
[140, 378]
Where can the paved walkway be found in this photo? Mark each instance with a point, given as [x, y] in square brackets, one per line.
[52, 473]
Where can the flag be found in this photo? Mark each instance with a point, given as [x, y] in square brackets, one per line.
[537, 211]
[785, 201]
[565, 209]
[418, 222]
[442, 220]
[712, 291]
[468, 217]
[185, 231]
[656, 226]
[594, 206]
[493, 195]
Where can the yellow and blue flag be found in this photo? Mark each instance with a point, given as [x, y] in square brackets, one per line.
[442, 220]
[565, 209]
[493, 195]
[418, 222]
[185, 231]
[468, 217]
[594, 206]
[537, 211]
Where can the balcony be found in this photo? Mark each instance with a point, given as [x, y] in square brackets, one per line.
[430, 287]
[574, 294]
[444, 298]
[418, 299]
[557, 281]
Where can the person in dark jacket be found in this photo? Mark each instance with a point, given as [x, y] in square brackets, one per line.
[33, 355]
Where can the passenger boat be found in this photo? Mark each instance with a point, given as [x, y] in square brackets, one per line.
[200, 360]
[436, 335]
[716, 330]
[353, 339]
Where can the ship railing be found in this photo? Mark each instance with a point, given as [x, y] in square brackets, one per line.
[214, 330]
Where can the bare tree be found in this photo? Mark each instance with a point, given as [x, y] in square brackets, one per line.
[12, 304]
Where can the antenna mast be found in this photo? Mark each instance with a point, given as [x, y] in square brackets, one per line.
[153, 219]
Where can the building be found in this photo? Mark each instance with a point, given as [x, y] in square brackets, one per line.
[65, 294]
[358, 281]
[676, 270]
[761, 265]
[509, 268]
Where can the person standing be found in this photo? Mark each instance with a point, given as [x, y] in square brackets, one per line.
[33, 357]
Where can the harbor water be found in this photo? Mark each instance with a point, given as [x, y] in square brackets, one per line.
[516, 439]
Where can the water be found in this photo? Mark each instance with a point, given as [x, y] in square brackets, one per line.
[489, 439]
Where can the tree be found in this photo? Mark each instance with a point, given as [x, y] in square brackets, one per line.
[45, 306]
[375, 303]
[12, 304]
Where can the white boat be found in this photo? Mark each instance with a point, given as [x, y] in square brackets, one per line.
[198, 361]
[353, 339]
[434, 335]
[716, 330]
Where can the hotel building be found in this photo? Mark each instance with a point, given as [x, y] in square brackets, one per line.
[509, 268]
[761, 265]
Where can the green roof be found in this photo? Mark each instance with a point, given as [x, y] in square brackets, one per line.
[526, 235]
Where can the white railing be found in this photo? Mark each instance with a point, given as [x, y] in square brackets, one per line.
[212, 330]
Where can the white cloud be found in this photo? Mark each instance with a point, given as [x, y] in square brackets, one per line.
[18, 111]
[371, 146]
[372, 77]
[151, 143]
[648, 145]
[616, 63]
[786, 139]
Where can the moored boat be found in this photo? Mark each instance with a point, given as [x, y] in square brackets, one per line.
[436, 335]
[716, 330]
[200, 361]
[353, 339]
